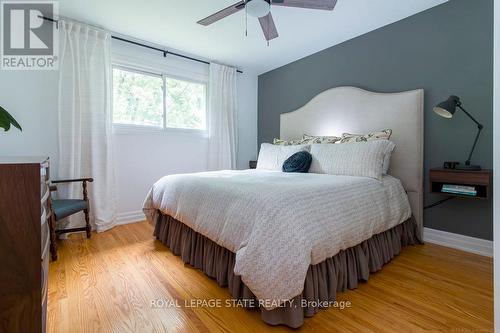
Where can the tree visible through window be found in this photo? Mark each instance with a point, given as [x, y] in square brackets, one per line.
[138, 100]
[185, 104]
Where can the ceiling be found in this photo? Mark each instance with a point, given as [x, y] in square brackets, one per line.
[172, 23]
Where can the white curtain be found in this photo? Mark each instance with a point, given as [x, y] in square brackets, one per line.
[222, 127]
[85, 121]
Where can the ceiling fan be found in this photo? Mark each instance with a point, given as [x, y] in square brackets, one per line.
[262, 10]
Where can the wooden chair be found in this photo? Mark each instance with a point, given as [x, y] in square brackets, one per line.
[62, 208]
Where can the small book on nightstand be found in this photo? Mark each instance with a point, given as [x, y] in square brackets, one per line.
[459, 189]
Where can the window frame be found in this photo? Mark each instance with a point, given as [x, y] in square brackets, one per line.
[135, 128]
[190, 80]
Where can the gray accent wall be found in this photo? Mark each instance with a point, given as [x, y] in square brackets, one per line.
[445, 50]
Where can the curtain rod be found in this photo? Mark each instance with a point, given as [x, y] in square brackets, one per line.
[165, 52]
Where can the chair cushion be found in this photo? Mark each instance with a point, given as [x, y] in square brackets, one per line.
[64, 208]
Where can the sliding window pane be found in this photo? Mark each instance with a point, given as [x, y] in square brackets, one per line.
[137, 98]
[186, 104]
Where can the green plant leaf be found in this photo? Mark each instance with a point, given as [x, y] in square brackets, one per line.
[6, 120]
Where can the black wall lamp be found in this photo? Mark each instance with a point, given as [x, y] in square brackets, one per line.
[447, 109]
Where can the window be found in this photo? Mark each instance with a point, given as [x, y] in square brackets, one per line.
[155, 100]
[137, 98]
[186, 104]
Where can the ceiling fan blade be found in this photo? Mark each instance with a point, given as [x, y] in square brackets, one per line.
[222, 13]
[312, 4]
[268, 27]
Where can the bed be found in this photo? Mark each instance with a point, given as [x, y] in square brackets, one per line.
[290, 242]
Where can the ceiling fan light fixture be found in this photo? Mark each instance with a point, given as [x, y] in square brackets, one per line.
[258, 8]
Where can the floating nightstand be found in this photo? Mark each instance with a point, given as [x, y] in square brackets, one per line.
[480, 181]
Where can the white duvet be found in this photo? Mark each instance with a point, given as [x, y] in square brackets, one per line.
[279, 223]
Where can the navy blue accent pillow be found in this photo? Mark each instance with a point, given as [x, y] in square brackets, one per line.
[298, 162]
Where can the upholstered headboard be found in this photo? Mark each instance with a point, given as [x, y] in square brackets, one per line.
[353, 110]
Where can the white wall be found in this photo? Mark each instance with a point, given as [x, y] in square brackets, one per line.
[140, 158]
[496, 163]
[247, 119]
[31, 98]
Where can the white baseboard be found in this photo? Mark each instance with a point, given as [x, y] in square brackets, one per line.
[130, 217]
[461, 242]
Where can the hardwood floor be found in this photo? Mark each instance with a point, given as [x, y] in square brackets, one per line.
[108, 284]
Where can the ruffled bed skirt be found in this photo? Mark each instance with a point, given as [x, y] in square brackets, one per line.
[323, 280]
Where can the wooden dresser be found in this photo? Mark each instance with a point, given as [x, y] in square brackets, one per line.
[24, 244]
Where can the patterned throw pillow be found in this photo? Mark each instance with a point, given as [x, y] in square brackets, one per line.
[312, 139]
[293, 142]
[379, 135]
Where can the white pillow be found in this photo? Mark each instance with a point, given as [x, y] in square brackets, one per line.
[379, 135]
[387, 158]
[364, 159]
[271, 157]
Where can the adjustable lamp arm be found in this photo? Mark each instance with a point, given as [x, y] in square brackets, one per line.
[479, 129]
[459, 104]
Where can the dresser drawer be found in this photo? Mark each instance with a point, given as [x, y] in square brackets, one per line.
[45, 234]
[45, 271]
[45, 280]
[45, 194]
[45, 237]
[44, 182]
[45, 198]
[44, 178]
[44, 315]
